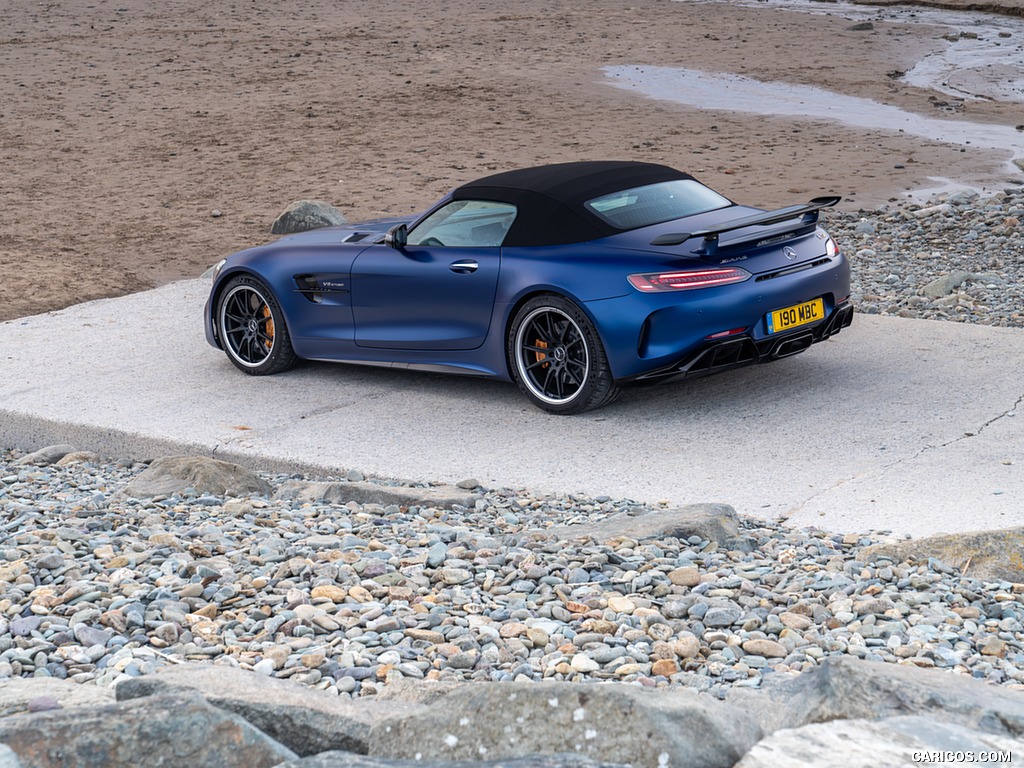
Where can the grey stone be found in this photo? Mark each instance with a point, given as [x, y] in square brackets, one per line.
[722, 615]
[18, 693]
[349, 760]
[44, 457]
[303, 215]
[861, 26]
[863, 744]
[79, 457]
[985, 555]
[7, 758]
[417, 691]
[845, 688]
[175, 474]
[945, 285]
[164, 731]
[372, 493]
[305, 720]
[603, 722]
[714, 522]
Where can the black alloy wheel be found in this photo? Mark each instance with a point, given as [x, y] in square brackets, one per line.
[557, 358]
[252, 329]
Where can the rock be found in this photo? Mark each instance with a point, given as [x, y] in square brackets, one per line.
[18, 693]
[583, 663]
[684, 577]
[664, 667]
[724, 615]
[417, 691]
[770, 649]
[8, 759]
[605, 722]
[45, 456]
[714, 522]
[932, 210]
[686, 647]
[303, 215]
[372, 493]
[305, 720]
[985, 555]
[348, 760]
[79, 457]
[175, 474]
[945, 285]
[845, 688]
[861, 26]
[863, 744]
[167, 731]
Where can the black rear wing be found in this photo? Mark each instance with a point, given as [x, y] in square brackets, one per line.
[808, 213]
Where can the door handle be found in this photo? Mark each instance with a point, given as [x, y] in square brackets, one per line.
[464, 267]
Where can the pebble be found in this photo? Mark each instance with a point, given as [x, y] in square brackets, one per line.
[349, 597]
[959, 257]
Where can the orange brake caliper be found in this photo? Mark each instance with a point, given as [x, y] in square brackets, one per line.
[270, 327]
[542, 355]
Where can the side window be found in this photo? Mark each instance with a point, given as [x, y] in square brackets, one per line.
[465, 223]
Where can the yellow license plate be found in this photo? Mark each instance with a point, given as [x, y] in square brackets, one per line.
[798, 314]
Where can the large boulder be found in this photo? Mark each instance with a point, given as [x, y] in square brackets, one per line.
[303, 215]
[162, 731]
[305, 720]
[412, 691]
[374, 493]
[847, 688]
[894, 743]
[620, 724]
[175, 474]
[713, 522]
[984, 555]
[25, 694]
[44, 457]
[349, 760]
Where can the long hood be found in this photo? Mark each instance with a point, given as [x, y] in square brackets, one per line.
[365, 232]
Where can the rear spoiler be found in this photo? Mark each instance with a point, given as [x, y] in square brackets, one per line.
[808, 212]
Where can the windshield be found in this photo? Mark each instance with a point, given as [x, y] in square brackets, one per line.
[655, 203]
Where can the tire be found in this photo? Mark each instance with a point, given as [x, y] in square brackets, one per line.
[251, 328]
[557, 359]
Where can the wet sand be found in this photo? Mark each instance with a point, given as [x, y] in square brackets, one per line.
[124, 126]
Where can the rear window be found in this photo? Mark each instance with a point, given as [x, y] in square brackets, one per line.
[655, 203]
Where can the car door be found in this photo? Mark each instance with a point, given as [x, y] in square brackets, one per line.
[436, 291]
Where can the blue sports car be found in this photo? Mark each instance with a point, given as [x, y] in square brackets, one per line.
[571, 280]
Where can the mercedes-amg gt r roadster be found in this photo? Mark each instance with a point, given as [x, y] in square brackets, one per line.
[571, 280]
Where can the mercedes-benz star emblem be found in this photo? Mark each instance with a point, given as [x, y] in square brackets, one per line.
[790, 253]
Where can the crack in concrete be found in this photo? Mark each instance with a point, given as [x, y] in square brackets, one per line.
[917, 454]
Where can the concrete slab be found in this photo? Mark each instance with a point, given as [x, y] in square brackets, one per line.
[903, 425]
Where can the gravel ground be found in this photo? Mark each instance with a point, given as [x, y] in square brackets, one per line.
[957, 257]
[345, 598]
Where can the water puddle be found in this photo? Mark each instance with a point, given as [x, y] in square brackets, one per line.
[982, 56]
[736, 93]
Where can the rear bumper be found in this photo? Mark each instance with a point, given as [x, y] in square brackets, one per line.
[735, 352]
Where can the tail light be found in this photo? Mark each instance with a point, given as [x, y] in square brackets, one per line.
[831, 248]
[687, 281]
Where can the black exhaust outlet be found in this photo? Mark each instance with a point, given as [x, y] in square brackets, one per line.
[793, 346]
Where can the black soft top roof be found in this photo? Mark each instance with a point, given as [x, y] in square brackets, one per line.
[550, 197]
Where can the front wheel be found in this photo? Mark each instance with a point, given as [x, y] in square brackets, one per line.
[252, 328]
[557, 358]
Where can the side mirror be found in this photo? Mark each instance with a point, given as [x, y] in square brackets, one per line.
[397, 236]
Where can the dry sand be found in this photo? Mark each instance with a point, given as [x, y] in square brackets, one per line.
[124, 125]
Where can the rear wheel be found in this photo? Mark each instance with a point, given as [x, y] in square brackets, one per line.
[252, 329]
[557, 358]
